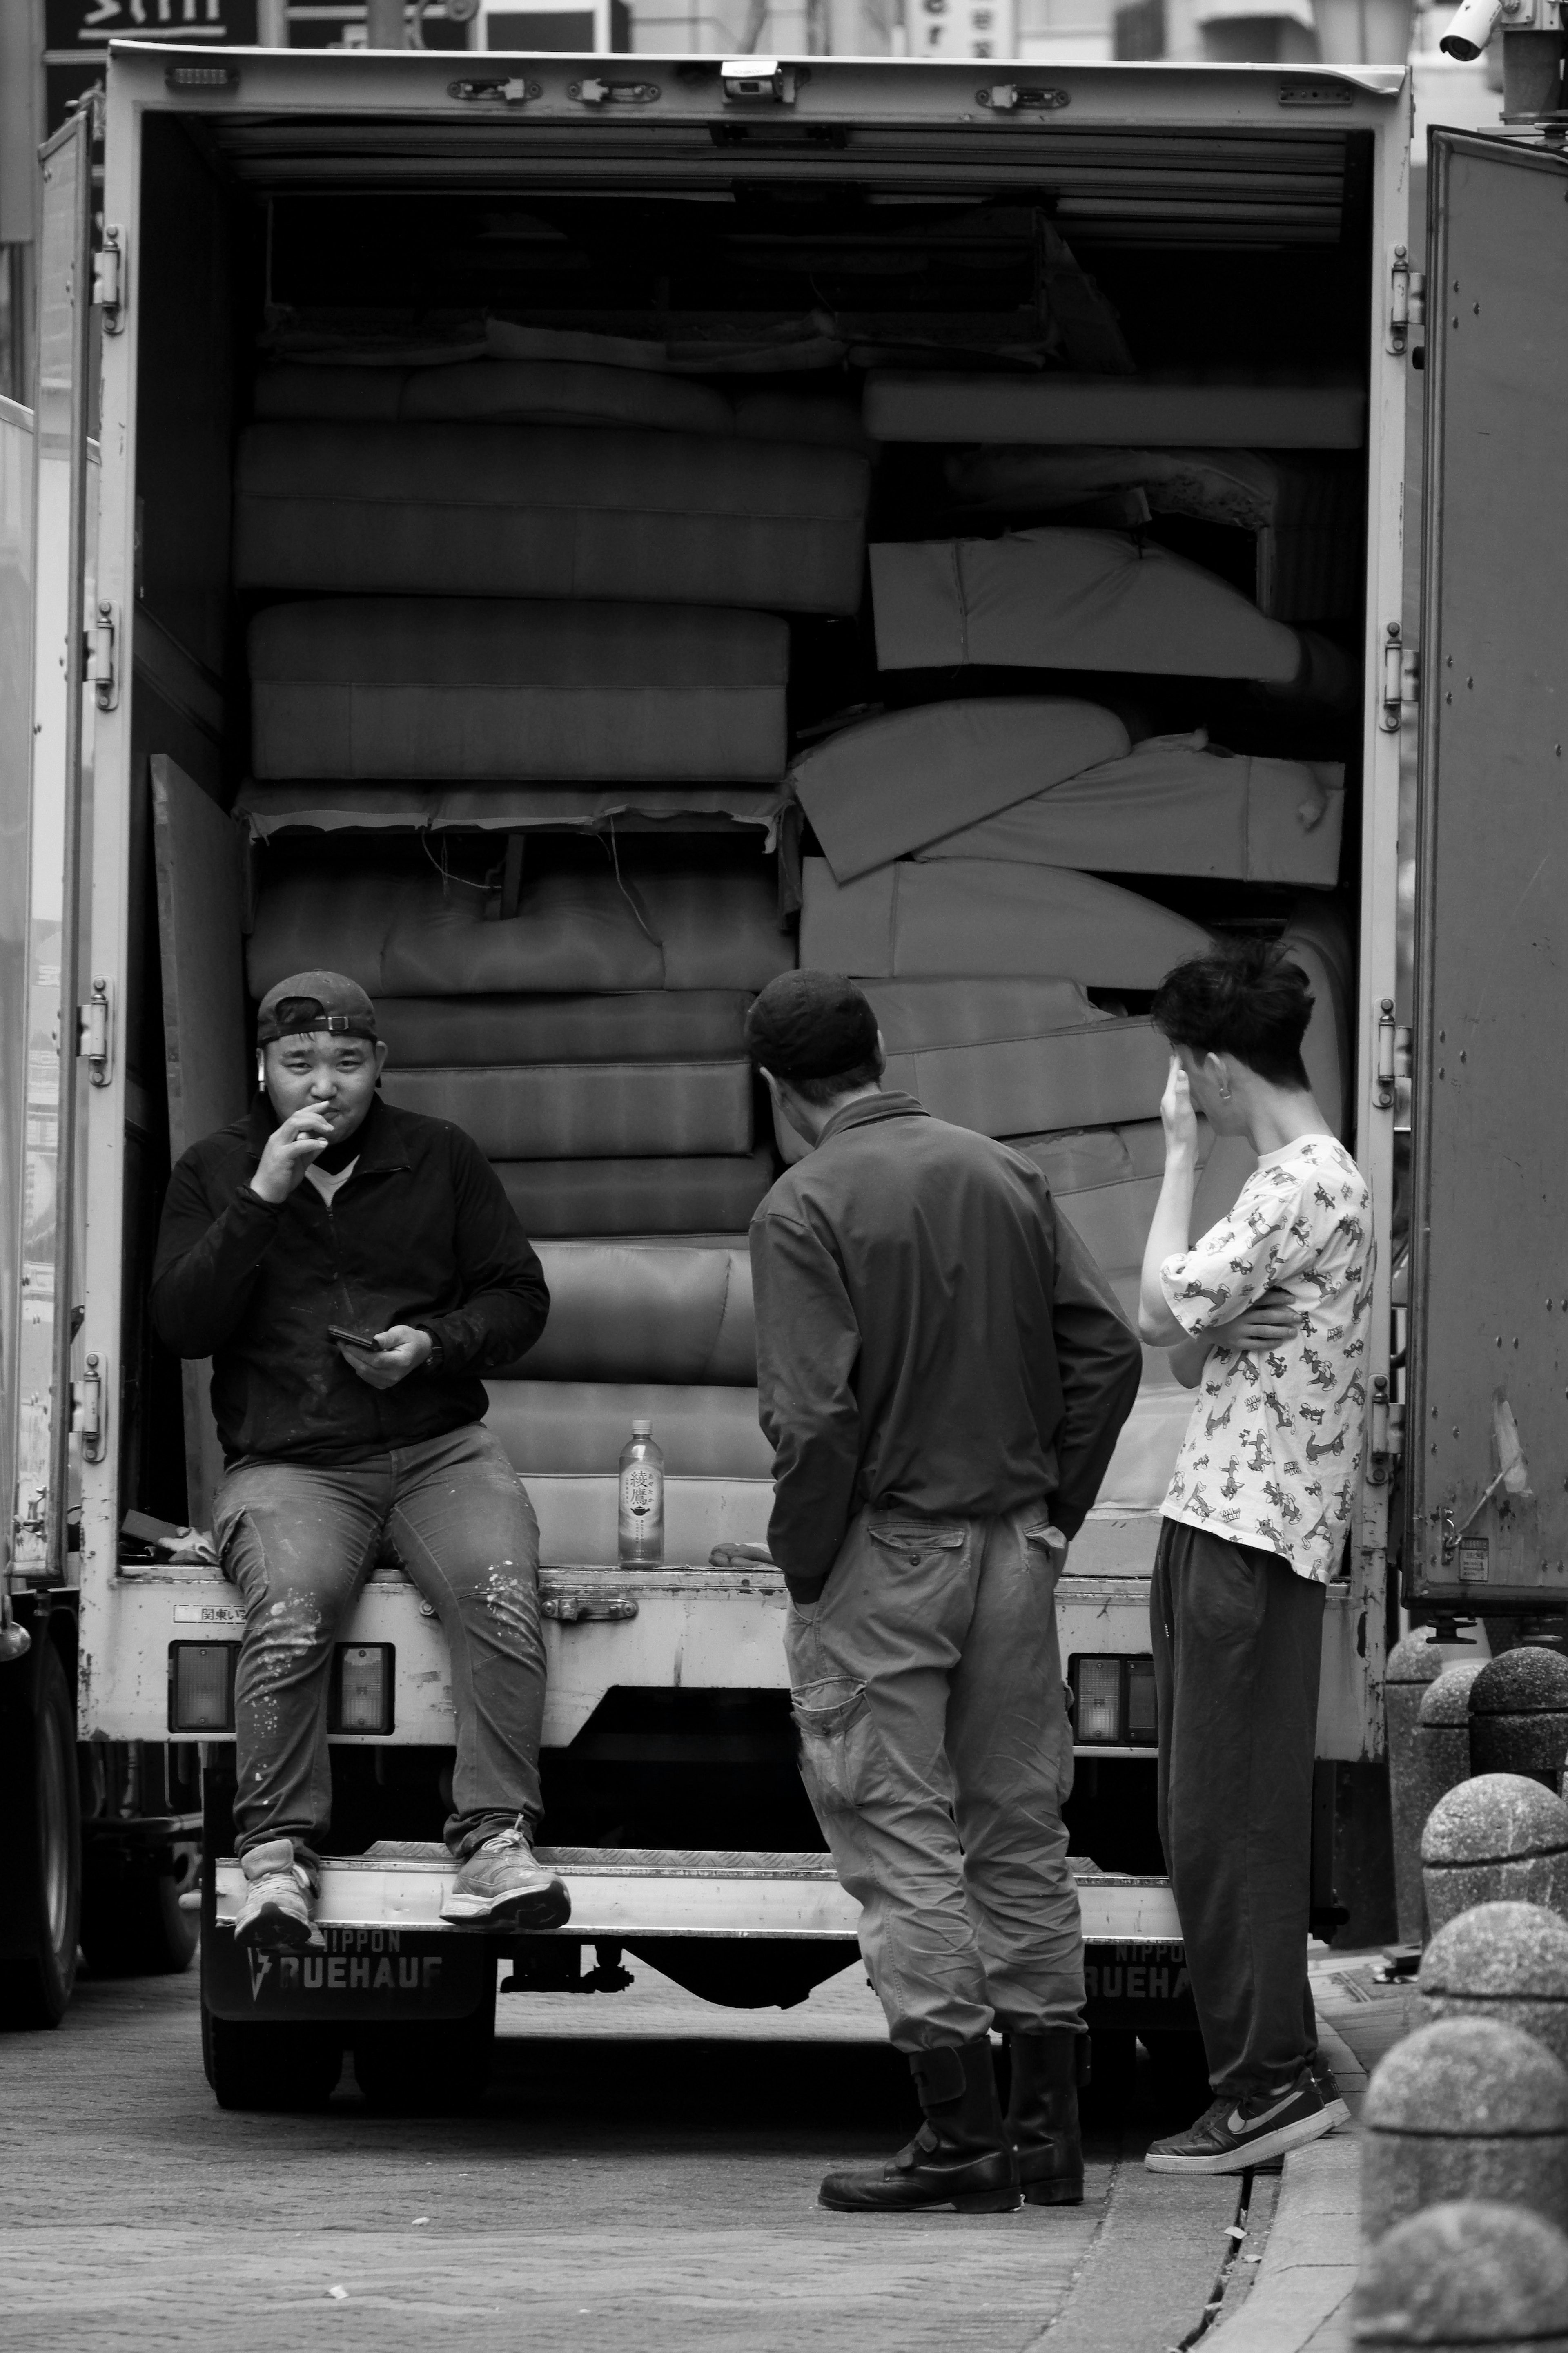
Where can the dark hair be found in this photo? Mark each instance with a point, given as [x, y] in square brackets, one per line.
[820, 1093]
[1247, 999]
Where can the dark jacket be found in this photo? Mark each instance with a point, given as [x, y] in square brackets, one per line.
[422, 1233]
[931, 1338]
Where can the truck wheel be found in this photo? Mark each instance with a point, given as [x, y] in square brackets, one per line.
[1181, 2075]
[37, 1767]
[287, 2069]
[132, 1923]
[442, 2069]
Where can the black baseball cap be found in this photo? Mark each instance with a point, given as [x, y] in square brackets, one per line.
[315, 1000]
[811, 1025]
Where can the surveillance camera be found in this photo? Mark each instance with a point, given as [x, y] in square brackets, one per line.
[1474, 23]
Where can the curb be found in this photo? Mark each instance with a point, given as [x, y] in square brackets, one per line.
[1301, 2297]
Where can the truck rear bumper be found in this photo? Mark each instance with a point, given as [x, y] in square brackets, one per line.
[622, 1893]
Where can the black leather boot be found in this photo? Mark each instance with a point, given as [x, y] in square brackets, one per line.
[1042, 2114]
[960, 2155]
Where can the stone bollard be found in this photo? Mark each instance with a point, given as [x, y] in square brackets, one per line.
[1464, 2110]
[1508, 1962]
[1413, 1665]
[1499, 1839]
[1519, 1715]
[1465, 2273]
[1440, 1746]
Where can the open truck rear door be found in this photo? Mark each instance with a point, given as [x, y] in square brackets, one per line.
[1487, 1475]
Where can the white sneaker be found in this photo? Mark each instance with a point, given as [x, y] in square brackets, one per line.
[277, 1914]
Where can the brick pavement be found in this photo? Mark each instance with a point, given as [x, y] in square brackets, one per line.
[642, 2176]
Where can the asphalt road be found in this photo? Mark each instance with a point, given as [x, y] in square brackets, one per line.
[641, 2177]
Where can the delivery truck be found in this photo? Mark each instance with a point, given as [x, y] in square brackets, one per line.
[576, 537]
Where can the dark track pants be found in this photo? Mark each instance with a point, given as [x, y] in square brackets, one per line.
[1237, 1639]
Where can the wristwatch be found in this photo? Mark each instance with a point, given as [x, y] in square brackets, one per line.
[438, 1356]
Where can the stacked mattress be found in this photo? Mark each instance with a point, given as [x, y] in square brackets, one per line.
[523, 595]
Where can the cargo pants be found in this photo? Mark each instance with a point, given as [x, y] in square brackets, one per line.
[299, 1540]
[935, 1748]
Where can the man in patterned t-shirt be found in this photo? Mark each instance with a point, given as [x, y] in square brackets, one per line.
[1269, 1312]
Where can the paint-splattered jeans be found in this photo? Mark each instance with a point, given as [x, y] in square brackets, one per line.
[299, 1540]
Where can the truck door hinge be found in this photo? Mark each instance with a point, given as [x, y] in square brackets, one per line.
[87, 1411]
[510, 89]
[1385, 1435]
[1406, 299]
[593, 91]
[1387, 1039]
[744, 79]
[1005, 96]
[99, 647]
[94, 1036]
[109, 279]
[1401, 678]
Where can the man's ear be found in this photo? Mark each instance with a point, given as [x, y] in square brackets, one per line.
[881, 1055]
[380, 1059]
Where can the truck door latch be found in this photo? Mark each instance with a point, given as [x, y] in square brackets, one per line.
[1406, 299]
[109, 279]
[100, 668]
[87, 1411]
[511, 92]
[93, 1042]
[749, 79]
[1385, 1434]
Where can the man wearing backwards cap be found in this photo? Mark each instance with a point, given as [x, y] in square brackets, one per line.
[326, 1207]
[942, 1374]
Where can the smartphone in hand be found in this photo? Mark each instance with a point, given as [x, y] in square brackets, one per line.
[347, 1339]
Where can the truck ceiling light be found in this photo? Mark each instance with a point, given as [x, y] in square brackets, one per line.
[201, 77]
[363, 1683]
[201, 1686]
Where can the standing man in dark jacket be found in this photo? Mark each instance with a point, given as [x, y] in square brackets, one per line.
[325, 1214]
[943, 1373]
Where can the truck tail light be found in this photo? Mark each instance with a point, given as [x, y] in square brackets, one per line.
[1113, 1702]
[201, 1686]
[362, 1679]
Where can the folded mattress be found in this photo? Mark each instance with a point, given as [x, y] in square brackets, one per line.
[964, 916]
[586, 1111]
[688, 1196]
[459, 689]
[891, 783]
[1059, 598]
[350, 806]
[581, 1426]
[1325, 412]
[551, 392]
[495, 510]
[1174, 805]
[648, 1025]
[402, 933]
[646, 1311]
[1015, 1069]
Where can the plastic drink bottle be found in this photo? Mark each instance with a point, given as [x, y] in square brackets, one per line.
[641, 1530]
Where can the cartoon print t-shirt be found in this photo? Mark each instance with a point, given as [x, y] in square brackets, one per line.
[1273, 1448]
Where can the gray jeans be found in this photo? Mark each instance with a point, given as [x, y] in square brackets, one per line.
[935, 1750]
[299, 1539]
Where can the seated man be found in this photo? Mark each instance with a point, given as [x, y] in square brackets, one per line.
[325, 1212]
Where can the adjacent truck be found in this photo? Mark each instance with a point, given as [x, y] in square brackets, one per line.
[1109, 368]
